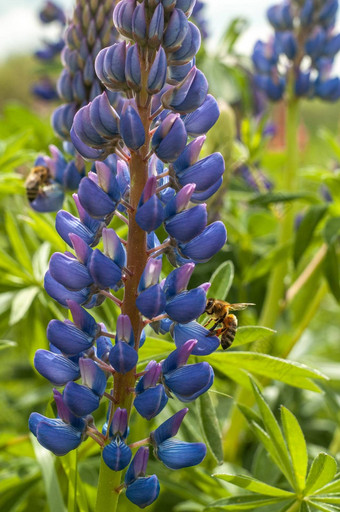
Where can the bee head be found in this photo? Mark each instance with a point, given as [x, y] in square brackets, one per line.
[209, 306]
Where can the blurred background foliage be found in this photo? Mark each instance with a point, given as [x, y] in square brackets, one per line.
[251, 204]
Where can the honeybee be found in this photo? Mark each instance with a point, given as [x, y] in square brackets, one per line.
[38, 178]
[219, 311]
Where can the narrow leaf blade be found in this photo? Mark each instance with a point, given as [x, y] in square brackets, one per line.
[296, 446]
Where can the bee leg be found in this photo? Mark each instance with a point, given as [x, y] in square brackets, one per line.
[215, 332]
[208, 322]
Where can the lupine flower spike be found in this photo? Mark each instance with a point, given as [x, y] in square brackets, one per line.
[146, 171]
[301, 51]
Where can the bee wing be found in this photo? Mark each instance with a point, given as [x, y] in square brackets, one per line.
[240, 306]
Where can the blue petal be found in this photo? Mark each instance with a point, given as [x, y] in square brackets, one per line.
[206, 344]
[80, 399]
[68, 338]
[94, 200]
[207, 244]
[58, 438]
[117, 455]
[190, 381]
[169, 428]
[151, 215]
[105, 272]
[132, 129]
[143, 491]
[66, 223]
[178, 454]
[187, 306]
[151, 302]
[69, 272]
[187, 224]
[59, 293]
[151, 402]
[56, 368]
[123, 357]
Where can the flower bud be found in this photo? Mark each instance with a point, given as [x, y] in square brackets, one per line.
[131, 127]
[188, 95]
[156, 27]
[139, 24]
[176, 31]
[157, 74]
[122, 17]
[110, 66]
[132, 69]
[189, 47]
[170, 138]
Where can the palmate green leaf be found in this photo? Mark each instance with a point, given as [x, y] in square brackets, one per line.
[269, 445]
[324, 507]
[254, 485]
[275, 434]
[329, 488]
[50, 477]
[244, 502]
[296, 446]
[335, 500]
[210, 426]
[306, 229]
[331, 271]
[303, 508]
[221, 281]
[322, 472]
[250, 334]
[22, 301]
[290, 372]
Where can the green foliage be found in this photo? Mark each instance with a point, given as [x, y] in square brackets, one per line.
[288, 450]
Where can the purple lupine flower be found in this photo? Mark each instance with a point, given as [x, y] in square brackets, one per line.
[304, 28]
[173, 453]
[117, 454]
[141, 490]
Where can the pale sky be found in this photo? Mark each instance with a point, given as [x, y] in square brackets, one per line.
[21, 30]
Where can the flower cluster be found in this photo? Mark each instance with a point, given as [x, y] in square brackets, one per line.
[146, 172]
[89, 31]
[50, 13]
[301, 53]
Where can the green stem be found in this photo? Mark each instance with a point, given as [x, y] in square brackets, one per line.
[107, 497]
[276, 287]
